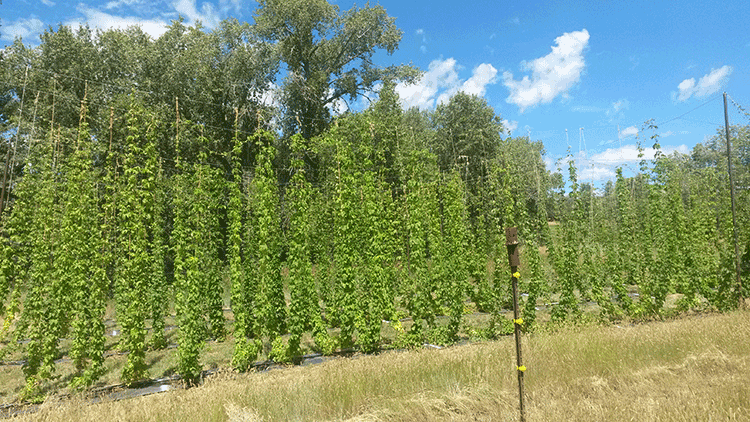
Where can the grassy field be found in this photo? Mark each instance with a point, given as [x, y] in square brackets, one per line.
[691, 369]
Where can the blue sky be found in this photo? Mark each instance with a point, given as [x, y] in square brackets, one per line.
[598, 69]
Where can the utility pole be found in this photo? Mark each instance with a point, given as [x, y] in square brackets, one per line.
[734, 213]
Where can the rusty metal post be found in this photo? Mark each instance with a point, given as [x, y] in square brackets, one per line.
[511, 242]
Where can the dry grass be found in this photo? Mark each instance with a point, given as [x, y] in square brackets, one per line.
[693, 369]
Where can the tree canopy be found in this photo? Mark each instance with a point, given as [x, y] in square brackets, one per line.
[328, 56]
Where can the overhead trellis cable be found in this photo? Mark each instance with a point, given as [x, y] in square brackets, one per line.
[739, 107]
[15, 144]
[714, 98]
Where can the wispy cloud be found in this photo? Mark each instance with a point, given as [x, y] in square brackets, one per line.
[116, 4]
[121, 14]
[586, 109]
[26, 29]
[551, 75]
[629, 154]
[595, 173]
[617, 109]
[227, 5]
[601, 166]
[338, 106]
[634, 62]
[707, 85]
[483, 75]
[189, 10]
[441, 82]
[423, 47]
[103, 20]
[510, 126]
[628, 132]
[48, 3]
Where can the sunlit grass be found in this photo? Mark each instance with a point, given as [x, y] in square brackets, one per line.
[691, 369]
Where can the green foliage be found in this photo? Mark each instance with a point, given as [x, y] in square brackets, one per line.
[79, 264]
[270, 312]
[378, 215]
[196, 234]
[451, 257]
[134, 222]
[533, 282]
[622, 253]
[159, 292]
[467, 136]
[279, 351]
[422, 224]
[328, 54]
[346, 246]
[304, 312]
[188, 279]
[34, 225]
[245, 350]
[565, 256]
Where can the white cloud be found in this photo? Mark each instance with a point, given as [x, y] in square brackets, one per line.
[440, 74]
[423, 47]
[102, 20]
[707, 85]
[595, 173]
[617, 108]
[269, 97]
[483, 75]
[26, 29]
[119, 3]
[549, 163]
[629, 154]
[338, 106]
[227, 5]
[510, 126]
[586, 109]
[442, 77]
[189, 10]
[48, 3]
[686, 89]
[551, 75]
[601, 166]
[628, 131]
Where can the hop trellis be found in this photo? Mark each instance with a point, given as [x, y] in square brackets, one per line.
[380, 233]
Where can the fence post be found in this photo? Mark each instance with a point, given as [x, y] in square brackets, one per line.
[511, 242]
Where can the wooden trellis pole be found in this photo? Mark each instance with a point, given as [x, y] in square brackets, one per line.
[511, 242]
